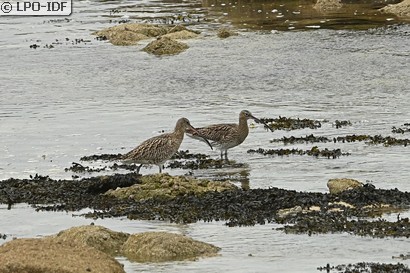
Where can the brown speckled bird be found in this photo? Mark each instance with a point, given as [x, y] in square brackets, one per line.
[157, 150]
[226, 136]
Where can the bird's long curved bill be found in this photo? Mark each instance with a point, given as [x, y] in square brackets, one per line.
[198, 134]
[260, 121]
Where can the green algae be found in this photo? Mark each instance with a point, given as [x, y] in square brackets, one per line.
[98, 237]
[165, 246]
[167, 186]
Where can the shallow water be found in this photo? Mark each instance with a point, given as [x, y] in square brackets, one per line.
[91, 97]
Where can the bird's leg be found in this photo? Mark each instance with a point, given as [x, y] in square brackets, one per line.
[222, 155]
[139, 168]
[160, 168]
[226, 155]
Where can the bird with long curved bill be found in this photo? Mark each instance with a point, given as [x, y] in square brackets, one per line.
[226, 135]
[157, 150]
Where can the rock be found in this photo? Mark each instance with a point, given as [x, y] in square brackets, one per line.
[165, 46]
[132, 33]
[180, 35]
[163, 246]
[325, 6]
[401, 9]
[283, 213]
[48, 256]
[167, 186]
[126, 38]
[342, 184]
[225, 33]
[99, 237]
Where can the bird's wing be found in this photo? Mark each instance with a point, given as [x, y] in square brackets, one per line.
[215, 132]
[151, 148]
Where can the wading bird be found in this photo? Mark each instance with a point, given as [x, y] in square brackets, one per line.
[157, 150]
[227, 135]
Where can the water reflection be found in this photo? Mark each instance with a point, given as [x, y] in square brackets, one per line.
[296, 15]
[237, 173]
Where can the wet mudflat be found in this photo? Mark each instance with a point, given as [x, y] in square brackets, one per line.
[71, 96]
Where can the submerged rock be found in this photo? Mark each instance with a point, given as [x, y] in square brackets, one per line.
[49, 256]
[99, 237]
[167, 186]
[165, 46]
[163, 246]
[226, 32]
[338, 185]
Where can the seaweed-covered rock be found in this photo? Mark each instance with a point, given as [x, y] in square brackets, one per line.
[165, 46]
[180, 32]
[236, 207]
[99, 237]
[132, 33]
[164, 246]
[167, 186]
[401, 9]
[48, 256]
[342, 184]
[63, 194]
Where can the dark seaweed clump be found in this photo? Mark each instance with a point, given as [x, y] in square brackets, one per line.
[181, 154]
[307, 139]
[182, 159]
[207, 163]
[284, 123]
[104, 157]
[79, 168]
[314, 151]
[377, 139]
[402, 257]
[324, 222]
[386, 141]
[342, 123]
[401, 130]
[366, 268]
[3, 236]
[186, 160]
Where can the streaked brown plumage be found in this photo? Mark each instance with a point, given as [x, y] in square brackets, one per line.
[226, 136]
[157, 150]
